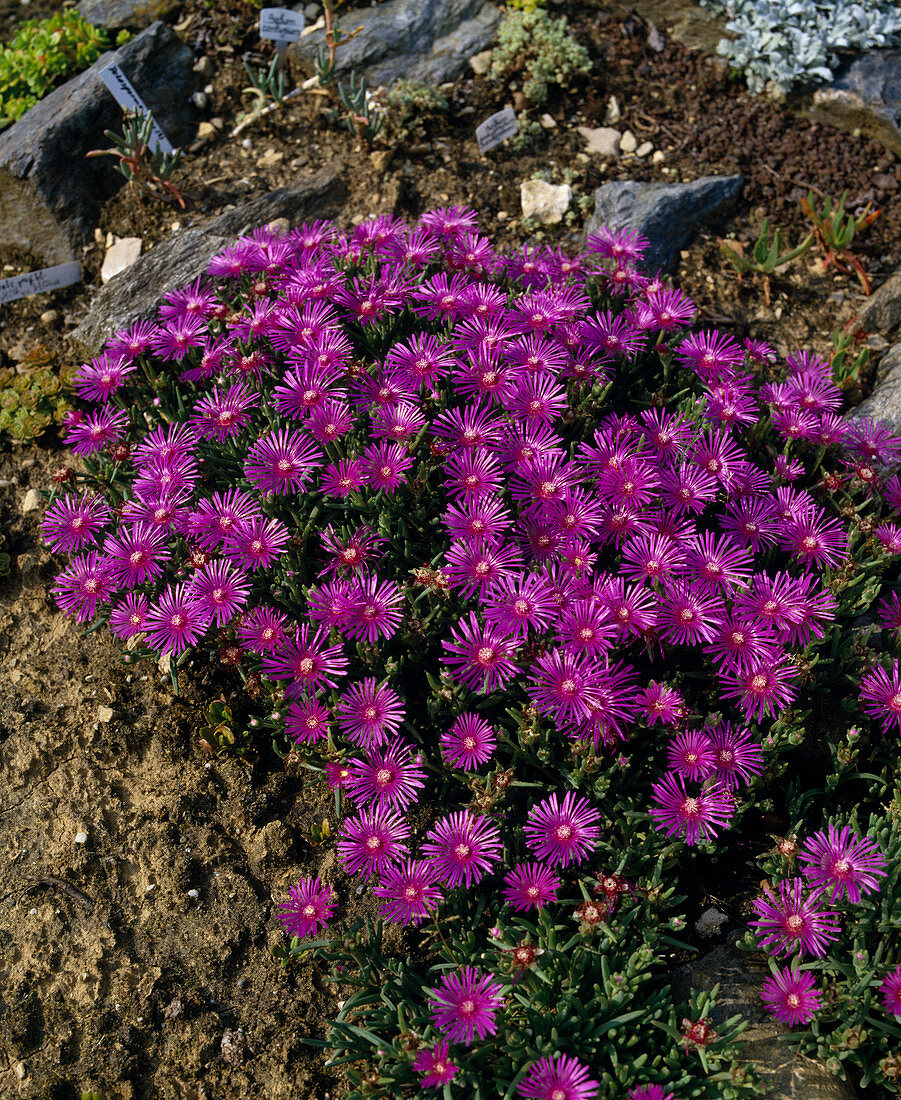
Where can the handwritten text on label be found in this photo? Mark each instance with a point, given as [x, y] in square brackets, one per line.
[127, 98]
[36, 282]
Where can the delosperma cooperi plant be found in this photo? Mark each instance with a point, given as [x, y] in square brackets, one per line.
[566, 603]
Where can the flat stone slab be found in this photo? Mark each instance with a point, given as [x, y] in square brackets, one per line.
[882, 310]
[865, 95]
[136, 293]
[884, 403]
[740, 974]
[668, 214]
[49, 190]
[117, 14]
[427, 40]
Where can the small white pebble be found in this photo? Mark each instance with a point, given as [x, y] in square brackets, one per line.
[81, 838]
[32, 912]
[151, 887]
[193, 893]
[247, 144]
[139, 1019]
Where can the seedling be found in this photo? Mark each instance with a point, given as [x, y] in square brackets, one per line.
[835, 231]
[765, 257]
[144, 170]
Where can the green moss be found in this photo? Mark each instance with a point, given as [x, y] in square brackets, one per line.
[539, 47]
[41, 55]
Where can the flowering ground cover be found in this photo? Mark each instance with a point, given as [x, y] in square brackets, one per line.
[560, 597]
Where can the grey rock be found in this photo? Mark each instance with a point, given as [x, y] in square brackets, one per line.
[882, 311]
[694, 27]
[668, 214]
[786, 1074]
[427, 40]
[884, 403]
[116, 14]
[49, 191]
[865, 95]
[135, 294]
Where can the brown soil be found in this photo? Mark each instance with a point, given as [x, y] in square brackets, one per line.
[113, 975]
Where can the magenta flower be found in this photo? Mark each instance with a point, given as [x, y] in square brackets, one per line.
[175, 621]
[562, 832]
[563, 686]
[128, 616]
[306, 661]
[891, 992]
[479, 656]
[372, 842]
[650, 1092]
[88, 434]
[880, 693]
[410, 891]
[84, 586]
[70, 524]
[435, 1066]
[690, 755]
[464, 1004]
[281, 462]
[793, 922]
[384, 466]
[558, 1078]
[468, 743]
[848, 863]
[262, 630]
[463, 848]
[686, 617]
[369, 713]
[474, 566]
[698, 816]
[519, 603]
[472, 475]
[307, 722]
[388, 777]
[256, 543]
[790, 996]
[219, 590]
[737, 757]
[308, 908]
[763, 689]
[372, 609]
[136, 554]
[224, 414]
[531, 886]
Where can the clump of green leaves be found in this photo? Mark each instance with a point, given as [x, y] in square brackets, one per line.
[42, 54]
[218, 736]
[145, 170]
[848, 358]
[359, 112]
[408, 105]
[767, 254]
[32, 399]
[835, 230]
[539, 47]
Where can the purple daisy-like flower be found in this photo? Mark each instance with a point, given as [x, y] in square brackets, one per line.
[474, 566]
[650, 1092]
[690, 755]
[519, 603]
[387, 777]
[307, 661]
[175, 621]
[435, 1066]
[369, 713]
[765, 688]
[308, 908]
[880, 693]
[558, 1078]
[262, 629]
[136, 554]
[127, 618]
[88, 434]
[464, 1005]
[410, 890]
[281, 462]
[891, 992]
[224, 414]
[531, 886]
[385, 465]
[307, 722]
[70, 524]
[848, 863]
[792, 921]
[560, 832]
[468, 743]
[372, 608]
[463, 848]
[84, 586]
[562, 685]
[256, 543]
[790, 996]
[372, 842]
[736, 755]
[219, 590]
[696, 815]
[480, 656]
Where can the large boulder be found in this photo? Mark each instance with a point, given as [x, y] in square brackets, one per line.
[136, 293]
[426, 40]
[787, 1074]
[116, 14]
[884, 403]
[49, 191]
[668, 214]
[865, 95]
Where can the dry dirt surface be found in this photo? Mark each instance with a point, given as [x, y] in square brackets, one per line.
[139, 878]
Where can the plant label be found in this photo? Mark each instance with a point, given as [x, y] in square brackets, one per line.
[36, 282]
[127, 98]
[282, 25]
[496, 129]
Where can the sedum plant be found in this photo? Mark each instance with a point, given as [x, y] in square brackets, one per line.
[41, 54]
[538, 49]
[33, 398]
[550, 592]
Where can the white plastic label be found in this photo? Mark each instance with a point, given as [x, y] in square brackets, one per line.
[496, 129]
[281, 24]
[36, 282]
[127, 98]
